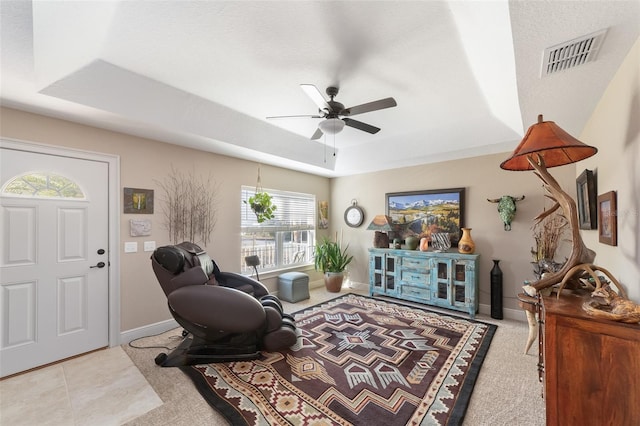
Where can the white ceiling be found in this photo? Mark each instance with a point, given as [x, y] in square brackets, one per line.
[205, 74]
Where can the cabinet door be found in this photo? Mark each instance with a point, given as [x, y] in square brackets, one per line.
[461, 288]
[441, 280]
[376, 268]
[391, 265]
[383, 273]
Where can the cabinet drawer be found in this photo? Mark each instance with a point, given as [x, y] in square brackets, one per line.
[413, 292]
[410, 262]
[415, 276]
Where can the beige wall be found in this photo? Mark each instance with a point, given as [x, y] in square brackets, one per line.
[483, 178]
[614, 128]
[143, 163]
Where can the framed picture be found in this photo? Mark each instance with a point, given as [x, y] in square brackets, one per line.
[587, 209]
[138, 200]
[140, 227]
[608, 218]
[422, 213]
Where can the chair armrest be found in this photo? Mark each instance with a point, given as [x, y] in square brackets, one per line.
[234, 280]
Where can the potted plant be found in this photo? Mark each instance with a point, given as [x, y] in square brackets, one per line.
[332, 260]
[262, 206]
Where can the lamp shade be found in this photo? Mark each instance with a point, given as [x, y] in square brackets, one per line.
[554, 145]
[331, 126]
[380, 223]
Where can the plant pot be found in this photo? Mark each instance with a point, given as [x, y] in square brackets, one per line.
[333, 281]
[257, 208]
[412, 242]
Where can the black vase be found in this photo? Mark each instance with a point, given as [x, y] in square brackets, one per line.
[496, 290]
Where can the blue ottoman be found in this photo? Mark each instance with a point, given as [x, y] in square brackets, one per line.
[293, 286]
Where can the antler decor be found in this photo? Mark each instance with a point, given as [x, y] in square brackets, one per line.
[579, 252]
[590, 269]
[547, 145]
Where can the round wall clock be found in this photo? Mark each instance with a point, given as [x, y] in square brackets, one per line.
[354, 215]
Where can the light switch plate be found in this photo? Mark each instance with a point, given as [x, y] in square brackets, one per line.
[149, 245]
[130, 247]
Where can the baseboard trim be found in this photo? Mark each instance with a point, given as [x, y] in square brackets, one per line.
[507, 313]
[147, 330]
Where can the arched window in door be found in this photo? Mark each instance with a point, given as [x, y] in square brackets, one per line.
[43, 185]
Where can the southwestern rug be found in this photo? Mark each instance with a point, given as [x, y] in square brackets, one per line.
[357, 361]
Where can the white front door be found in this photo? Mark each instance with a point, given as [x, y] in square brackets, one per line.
[54, 258]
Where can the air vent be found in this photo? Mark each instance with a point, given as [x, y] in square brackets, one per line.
[572, 53]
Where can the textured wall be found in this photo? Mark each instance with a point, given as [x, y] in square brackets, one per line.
[614, 128]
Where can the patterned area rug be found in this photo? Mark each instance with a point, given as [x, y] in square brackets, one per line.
[357, 361]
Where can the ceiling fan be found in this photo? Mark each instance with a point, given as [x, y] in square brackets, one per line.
[335, 115]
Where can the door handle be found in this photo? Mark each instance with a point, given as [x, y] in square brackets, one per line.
[98, 265]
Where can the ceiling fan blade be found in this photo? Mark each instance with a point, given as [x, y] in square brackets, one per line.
[295, 116]
[315, 95]
[369, 106]
[361, 126]
[317, 135]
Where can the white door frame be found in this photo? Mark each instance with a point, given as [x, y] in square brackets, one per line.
[113, 162]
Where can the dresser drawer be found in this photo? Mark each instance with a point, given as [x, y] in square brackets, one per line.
[414, 277]
[413, 292]
[414, 263]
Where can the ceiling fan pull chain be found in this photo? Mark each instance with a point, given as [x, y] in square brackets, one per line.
[325, 148]
[334, 144]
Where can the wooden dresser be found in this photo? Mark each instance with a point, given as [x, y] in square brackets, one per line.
[590, 367]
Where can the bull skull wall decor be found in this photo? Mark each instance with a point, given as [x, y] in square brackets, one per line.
[506, 208]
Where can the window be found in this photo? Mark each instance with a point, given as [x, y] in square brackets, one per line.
[286, 240]
[43, 185]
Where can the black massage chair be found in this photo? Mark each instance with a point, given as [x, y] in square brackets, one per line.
[225, 316]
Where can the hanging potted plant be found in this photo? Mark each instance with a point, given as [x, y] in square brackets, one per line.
[261, 203]
[262, 206]
[332, 260]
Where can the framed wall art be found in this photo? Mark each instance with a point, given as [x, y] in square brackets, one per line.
[587, 208]
[140, 227]
[138, 200]
[425, 212]
[608, 218]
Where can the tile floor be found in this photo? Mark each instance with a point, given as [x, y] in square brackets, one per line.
[101, 388]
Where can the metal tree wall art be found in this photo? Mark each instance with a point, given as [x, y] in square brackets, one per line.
[189, 207]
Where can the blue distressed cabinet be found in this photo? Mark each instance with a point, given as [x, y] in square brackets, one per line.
[448, 280]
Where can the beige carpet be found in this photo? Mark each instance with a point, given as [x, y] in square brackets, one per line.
[507, 391]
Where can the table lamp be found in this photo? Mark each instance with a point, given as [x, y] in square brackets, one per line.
[381, 224]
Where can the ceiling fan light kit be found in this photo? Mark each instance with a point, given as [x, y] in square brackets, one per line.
[331, 126]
